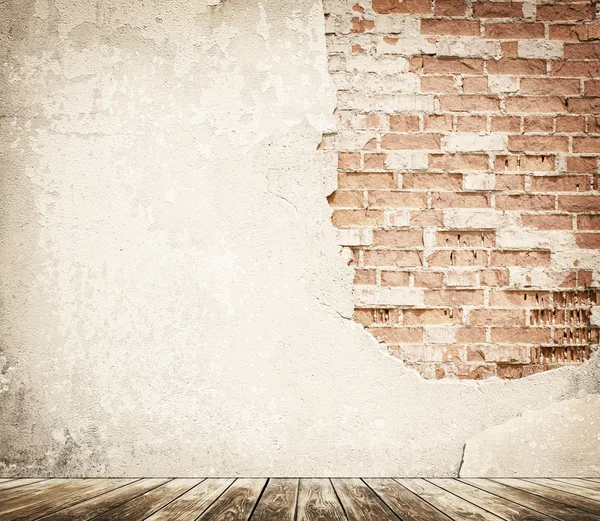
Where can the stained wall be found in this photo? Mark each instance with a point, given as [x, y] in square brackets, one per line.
[174, 298]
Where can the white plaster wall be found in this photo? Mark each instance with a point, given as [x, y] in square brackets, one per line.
[173, 301]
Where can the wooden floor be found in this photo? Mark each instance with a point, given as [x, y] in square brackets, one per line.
[303, 500]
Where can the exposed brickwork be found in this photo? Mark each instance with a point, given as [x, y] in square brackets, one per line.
[468, 143]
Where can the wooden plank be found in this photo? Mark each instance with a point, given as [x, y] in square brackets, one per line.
[583, 503]
[407, 505]
[194, 502]
[9, 485]
[317, 501]
[2, 480]
[149, 502]
[495, 504]
[453, 506]
[539, 503]
[30, 493]
[581, 482]
[278, 502]
[237, 502]
[568, 486]
[360, 502]
[98, 505]
[69, 493]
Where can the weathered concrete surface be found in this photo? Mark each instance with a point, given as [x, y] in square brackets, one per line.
[557, 440]
[173, 299]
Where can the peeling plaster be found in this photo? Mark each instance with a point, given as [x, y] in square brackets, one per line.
[174, 301]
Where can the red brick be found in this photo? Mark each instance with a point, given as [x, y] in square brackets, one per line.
[592, 88]
[584, 105]
[438, 84]
[534, 103]
[471, 124]
[514, 31]
[570, 124]
[404, 123]
[509, 49]
[466, 238]
[520, 298]
[575, 69]
[428, 279]
[565, 12]
[525, 202]
[525, 163]
[528, 258]
[410, 142]
[538, 143]
[346, 199]
[458, 258]
[470, 103]
[582, 51]
[375, 161]
[402, 6]
[588, 222]
[450, 27]
[509, 182]
[459, 200]
[450, 8]
[547, 221]
[388, 199]
[496, 317]
[506, 124]
[458, 162]
[521, 335]
[423, 218]
[399, 258]
[349, 160]
[538, 124]
[432, 316]
[398, 238]
[456, 297]
[432, 181]
[590, 241]
[367, 180]
[561, 183]
[475, 84]
[586, 144]
[397, 335]
[343, 218]
[395, 278]
[365, 277]
[516, 66]
[579, 203]
[498, 9]
[582, 164]
[549, 86]
[438, 122]
[433, 65]
[576, 32]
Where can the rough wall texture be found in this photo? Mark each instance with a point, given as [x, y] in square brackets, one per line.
[468, 143]
[173, 297]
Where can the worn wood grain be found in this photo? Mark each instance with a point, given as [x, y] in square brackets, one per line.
[149, 502]
[194, 502]
[15, 483]
[317, 501]
[406, 504]
[455, 507]
[360, 502]
[237, 502]
[495, 504]
[566, 486]
[22, 496]
[278, 502]
[66, 494]
[535, 502]
[580, 482]
[102, 503]
[589, 505]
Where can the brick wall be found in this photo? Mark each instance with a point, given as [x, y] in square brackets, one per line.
[468, 142]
